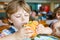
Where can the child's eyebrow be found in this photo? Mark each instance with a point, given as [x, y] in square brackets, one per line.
[17, 14]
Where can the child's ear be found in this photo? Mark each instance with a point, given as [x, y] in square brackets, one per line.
[10, 20]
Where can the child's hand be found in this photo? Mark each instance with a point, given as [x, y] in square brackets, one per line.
[2, 35]
[43, 30]
[27, 32]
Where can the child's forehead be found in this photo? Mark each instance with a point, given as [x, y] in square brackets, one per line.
[21, 11]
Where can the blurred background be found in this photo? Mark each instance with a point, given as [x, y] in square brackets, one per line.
[50, 5]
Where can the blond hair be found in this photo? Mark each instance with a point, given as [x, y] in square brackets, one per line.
[13, 6]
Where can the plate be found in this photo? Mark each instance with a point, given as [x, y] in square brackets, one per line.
[45, 37]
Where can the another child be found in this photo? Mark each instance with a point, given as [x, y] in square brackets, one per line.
[56, 24]
[33, 15]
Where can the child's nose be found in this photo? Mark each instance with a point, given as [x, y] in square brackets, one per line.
[22, 18]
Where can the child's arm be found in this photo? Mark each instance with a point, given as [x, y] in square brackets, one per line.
[23, 33]
[56, 30]
[10, 37]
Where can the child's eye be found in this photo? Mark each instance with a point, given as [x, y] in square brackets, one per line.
[58, 14]
[26, 15]
[18, 16]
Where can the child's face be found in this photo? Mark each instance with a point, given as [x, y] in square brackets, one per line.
[33, 14]
[58, 14]
[20, 17]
